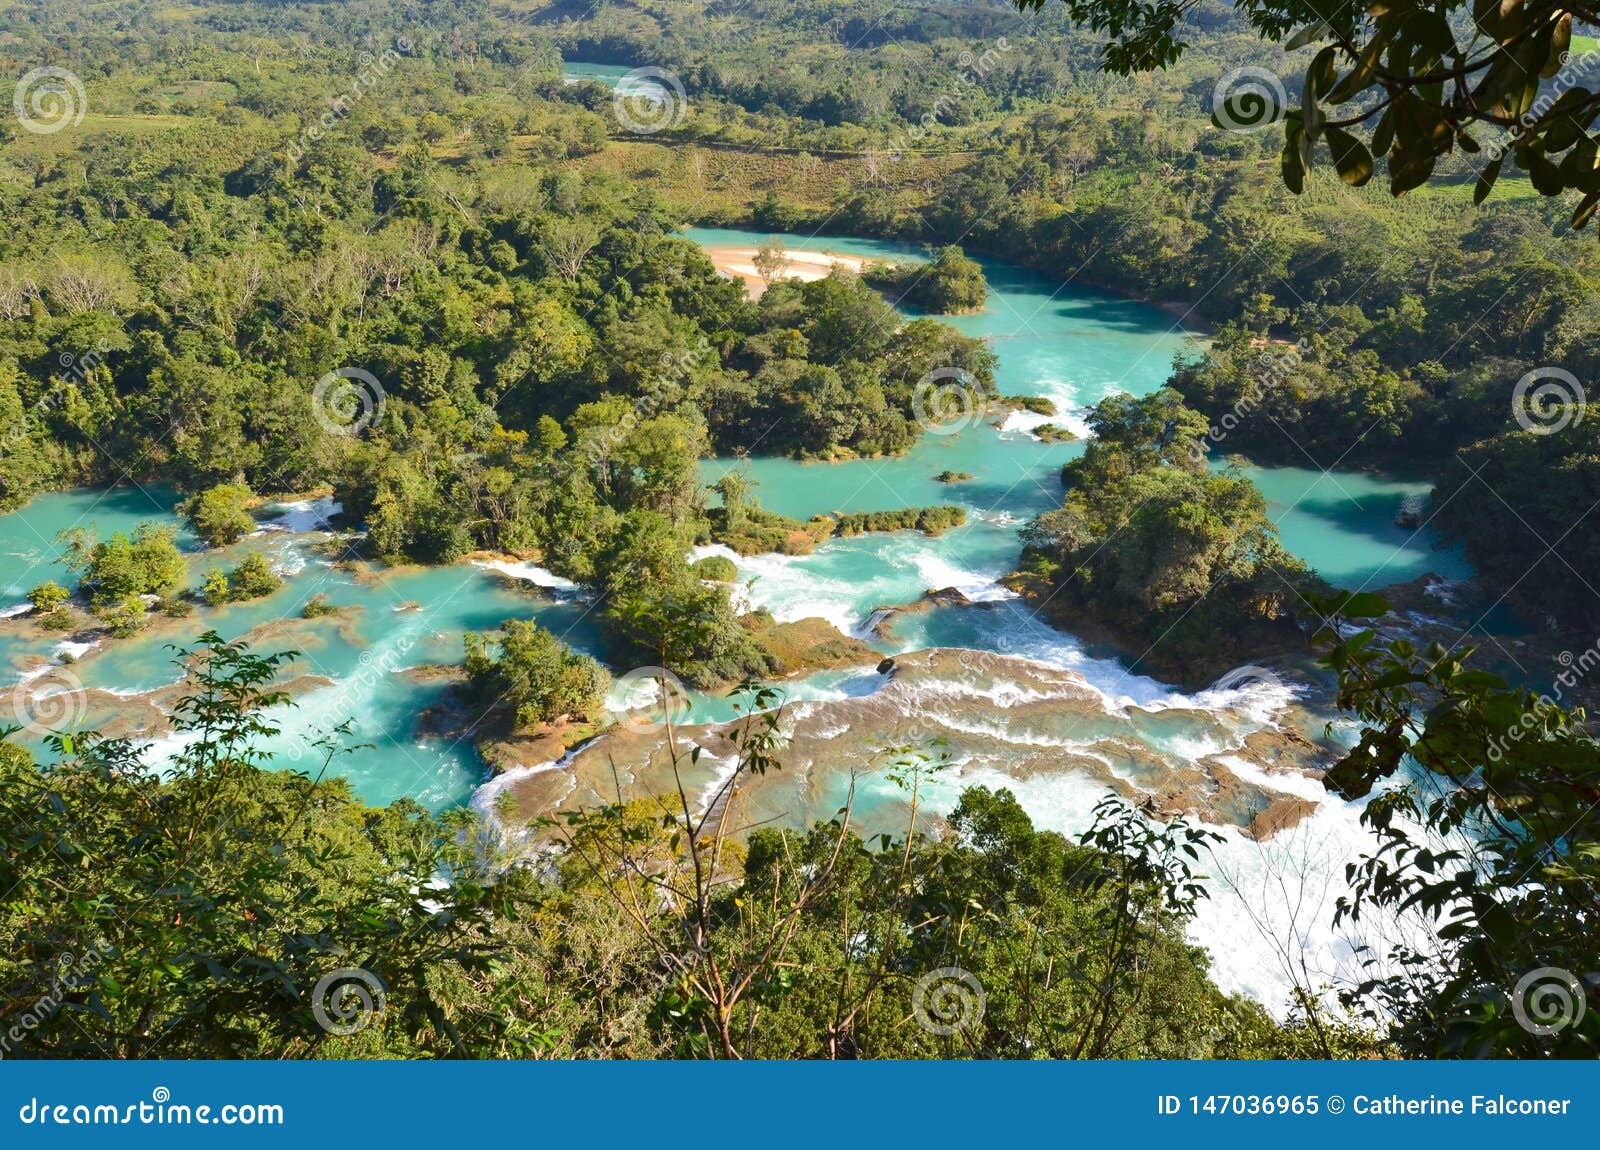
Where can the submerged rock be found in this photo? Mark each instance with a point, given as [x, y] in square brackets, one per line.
[880, 622]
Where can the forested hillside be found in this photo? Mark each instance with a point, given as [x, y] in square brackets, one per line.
[390, 255]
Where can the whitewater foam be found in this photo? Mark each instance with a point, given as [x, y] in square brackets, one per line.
[488, 793]
[301, 516]
[528, 572]
[902, 566]
[1267, 922]
[74, 648]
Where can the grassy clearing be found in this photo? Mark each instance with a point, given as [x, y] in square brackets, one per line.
[1510, 186]
[708, 183]
[196, 91]
[94, 124]
[720, 180]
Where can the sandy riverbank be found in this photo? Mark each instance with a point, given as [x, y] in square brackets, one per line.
[739, 263]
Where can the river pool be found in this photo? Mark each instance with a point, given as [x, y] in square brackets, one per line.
[1068, 344]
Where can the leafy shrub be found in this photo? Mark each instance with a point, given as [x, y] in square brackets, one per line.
[253, 578]
[48, 597]
[317, 606]
[539, 676]
[121, 567]
[717, 568]
[929, 520]
[220, 515]
[950, 283]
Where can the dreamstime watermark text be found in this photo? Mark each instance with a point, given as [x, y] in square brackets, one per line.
[157, 1110]
[73, 974]
[1573, 70]
[372, 69]
[971, 70]
[1576, 669]
[1274, 368]
[74, 373]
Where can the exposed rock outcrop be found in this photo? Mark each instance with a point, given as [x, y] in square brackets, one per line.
[1000, 719]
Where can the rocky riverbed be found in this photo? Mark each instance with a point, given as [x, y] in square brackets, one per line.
[992, 717]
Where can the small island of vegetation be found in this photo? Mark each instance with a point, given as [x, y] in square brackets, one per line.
[950, 284]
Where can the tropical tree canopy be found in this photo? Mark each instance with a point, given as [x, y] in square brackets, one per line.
[1407, 82]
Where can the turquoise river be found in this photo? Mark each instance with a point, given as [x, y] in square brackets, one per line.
[1058, 341]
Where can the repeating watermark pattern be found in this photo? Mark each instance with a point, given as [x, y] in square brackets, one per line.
[1274, 368]
[971, 69]
[913, 728]
[348, 1000]
[74, 973]
[123, 16]
[948, 1000]
[987, 662]
[650, 100]
[676, 965]
[676, 367]
[52, 702]
[1248, 100]
[347, 401]
[909, 730]
[947, 401]
[651, 697]
[371, 70]
[1548, 400]
[1548, 1000]
[1577, 668]
[1573, 69]
[49, 100]
[75, 372]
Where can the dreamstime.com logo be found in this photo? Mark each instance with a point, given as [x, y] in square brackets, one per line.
[353, 693]
[948, 1000]
[370, 70]
[348, 1000]
[49, 703]
[1247, 100]
[947, 401]
[676, 368]
[159, 1110]
[1577, 668]
[649, 100]
[48, 100]
[1548, 400]
[970, 70]
[650, 697]
[1548, 1000]
[1574, 71]
[75, 372]
[1276, 367]
[347, 401]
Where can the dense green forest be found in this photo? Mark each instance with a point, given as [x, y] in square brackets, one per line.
[190, 914]
[1162, 548]
[385, 252]
[457, 235]
[607, 954]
